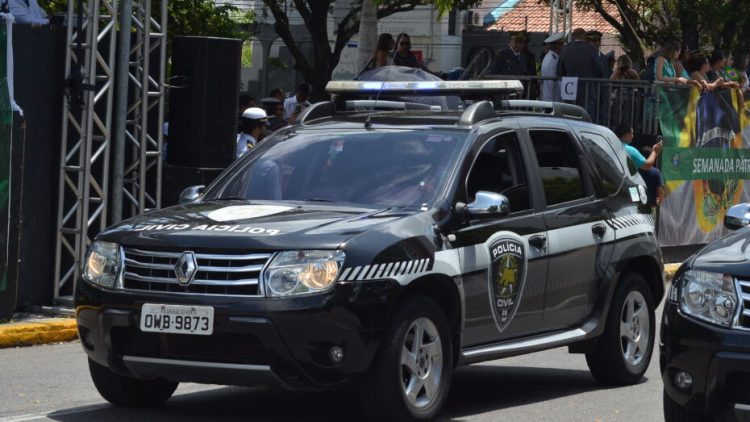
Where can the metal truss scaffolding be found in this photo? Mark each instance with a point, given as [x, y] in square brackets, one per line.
[87, 135]
[142, 182]
[561, 16]
[87, 119]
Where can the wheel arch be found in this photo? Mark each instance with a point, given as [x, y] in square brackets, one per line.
[445, 291]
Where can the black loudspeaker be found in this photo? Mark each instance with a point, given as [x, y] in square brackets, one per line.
[203, 101]
[176, 178]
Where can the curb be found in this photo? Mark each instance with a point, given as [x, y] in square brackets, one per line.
[33, 333]
[669, 270]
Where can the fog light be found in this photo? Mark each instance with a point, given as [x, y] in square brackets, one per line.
[336, 353]
[683, 380]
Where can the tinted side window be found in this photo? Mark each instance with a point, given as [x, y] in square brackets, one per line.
[605, 161]
[559, 166]
[499, 168]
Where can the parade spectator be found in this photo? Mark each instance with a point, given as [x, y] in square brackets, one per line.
[698, 67]
[729, 72]
[404, 56]
[252, 124]
[742, 61]
[551, 88]
[296, 104]
[515, 59]
[624, 69]
[277, 93]
[681, 62]
[275, 111]
[594, 38]
[664, 67]
[580, 59]
[715, 74]
[383, 55]
[655, 188]
[625, 132]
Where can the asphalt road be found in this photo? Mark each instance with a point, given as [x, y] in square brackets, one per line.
[52, 383]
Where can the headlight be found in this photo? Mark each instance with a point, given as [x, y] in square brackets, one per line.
[302, 272]
[709, 296]
[102, 264]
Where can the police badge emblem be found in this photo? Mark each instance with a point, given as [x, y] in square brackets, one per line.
[507, 277]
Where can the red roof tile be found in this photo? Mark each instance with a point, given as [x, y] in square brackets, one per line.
[531, 16]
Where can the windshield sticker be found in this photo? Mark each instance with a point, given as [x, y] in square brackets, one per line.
[507, 275]
[244, 212]
[239, 228]
[642, 192]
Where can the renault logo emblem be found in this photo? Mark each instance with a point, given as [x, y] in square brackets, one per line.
[185, 268]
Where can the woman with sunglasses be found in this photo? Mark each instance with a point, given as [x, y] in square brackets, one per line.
[403, 55]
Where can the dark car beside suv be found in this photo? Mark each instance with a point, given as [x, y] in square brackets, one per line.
[380, 244]
[705, 334]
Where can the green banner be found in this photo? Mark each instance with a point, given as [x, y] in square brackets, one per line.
[705, 161]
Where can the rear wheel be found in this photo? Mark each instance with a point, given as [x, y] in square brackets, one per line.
[624, 351]
[129, 392]
[674, 412]
[410, 377]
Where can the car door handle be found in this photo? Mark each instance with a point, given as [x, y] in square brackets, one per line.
[538, 241]
[599, 229]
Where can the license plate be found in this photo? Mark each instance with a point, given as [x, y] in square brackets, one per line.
[177, 319]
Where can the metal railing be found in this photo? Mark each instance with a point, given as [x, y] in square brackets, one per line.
[609, 102]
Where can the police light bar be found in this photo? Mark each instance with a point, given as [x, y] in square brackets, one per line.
[425, 88]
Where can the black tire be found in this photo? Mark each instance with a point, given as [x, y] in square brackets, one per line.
[129, 392]
[674, 412]
[608, 363]
[382, 389]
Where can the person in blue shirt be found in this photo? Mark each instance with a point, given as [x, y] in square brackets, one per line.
[625, 132]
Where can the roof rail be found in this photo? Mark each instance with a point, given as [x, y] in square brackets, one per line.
[477, 112]
[564, 110]
[317, 111]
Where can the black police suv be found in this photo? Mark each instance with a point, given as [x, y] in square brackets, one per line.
[705, 331]
[382, 244]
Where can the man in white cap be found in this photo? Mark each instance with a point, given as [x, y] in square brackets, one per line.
[252, 123]
[551, 88]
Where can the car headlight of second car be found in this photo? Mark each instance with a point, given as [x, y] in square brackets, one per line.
[709, 296]
[293, 273]
[102, 264]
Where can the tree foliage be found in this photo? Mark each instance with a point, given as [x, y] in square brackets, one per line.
[317, 69]
[646, 24]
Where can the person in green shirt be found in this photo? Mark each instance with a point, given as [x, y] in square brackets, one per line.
[625, 132]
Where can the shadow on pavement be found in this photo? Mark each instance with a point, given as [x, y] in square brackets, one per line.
[475, 390]
[482, 388]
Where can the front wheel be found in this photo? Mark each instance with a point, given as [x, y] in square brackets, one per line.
[624, 351]
[674, 412]
[129, 392]
[411, 374]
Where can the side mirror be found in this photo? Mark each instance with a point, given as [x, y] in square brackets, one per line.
[737, 217]
[488, 205]
[191, 194]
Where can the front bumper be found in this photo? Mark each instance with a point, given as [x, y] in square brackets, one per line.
[256, 341]
[717, 358]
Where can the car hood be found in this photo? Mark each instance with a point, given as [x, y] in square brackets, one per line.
[728, 255]
[232, 225]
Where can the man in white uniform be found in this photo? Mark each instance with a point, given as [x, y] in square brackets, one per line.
[551, 88]
[252, 122]
[297, 103]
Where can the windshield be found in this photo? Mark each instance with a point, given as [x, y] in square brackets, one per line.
[402, 168]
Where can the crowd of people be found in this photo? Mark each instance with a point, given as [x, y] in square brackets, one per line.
[582, 58]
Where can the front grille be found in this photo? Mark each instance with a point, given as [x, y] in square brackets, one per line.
[745, 299]
[220, 274]
[218, 347]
